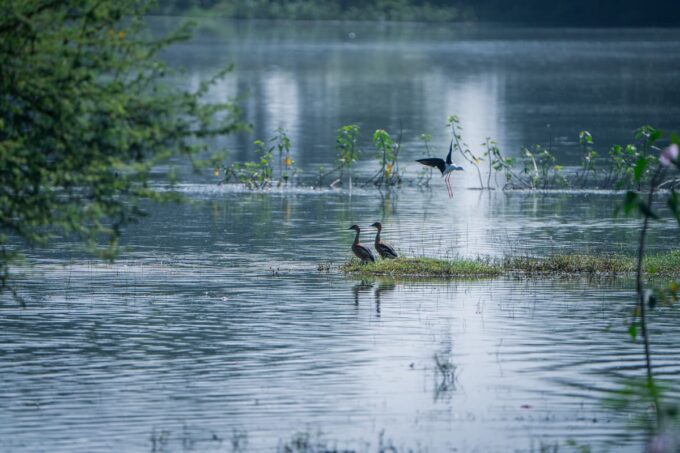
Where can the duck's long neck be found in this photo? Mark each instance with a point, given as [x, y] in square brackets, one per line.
[356, 238]
[377, 236]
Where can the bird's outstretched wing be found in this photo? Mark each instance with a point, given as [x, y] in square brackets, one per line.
[434, 162]
[448, 156]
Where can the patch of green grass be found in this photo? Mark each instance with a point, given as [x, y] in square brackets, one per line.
[426, 267]
[570, 264]
[661, 264]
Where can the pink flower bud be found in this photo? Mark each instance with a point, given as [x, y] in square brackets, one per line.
[668, 155]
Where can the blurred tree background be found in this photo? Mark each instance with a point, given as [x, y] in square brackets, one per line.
[529, 12]
[85, 115]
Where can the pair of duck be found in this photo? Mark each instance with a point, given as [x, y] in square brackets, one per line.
[362, 252]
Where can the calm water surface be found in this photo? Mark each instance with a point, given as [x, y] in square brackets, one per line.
[215, 331]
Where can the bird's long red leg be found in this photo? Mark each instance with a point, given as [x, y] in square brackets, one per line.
[448, 185]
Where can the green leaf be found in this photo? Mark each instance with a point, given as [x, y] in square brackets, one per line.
[640, 167]
[675, 138]
[632, 331]
[630, 202]
[673, 204]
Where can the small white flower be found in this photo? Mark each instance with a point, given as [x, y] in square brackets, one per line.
[669, 155]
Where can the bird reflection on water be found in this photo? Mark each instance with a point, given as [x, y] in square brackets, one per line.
[383, 287]
[365, 286]
[362, 286]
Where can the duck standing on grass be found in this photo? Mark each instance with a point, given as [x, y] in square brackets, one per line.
[386, 251]
[361, 251]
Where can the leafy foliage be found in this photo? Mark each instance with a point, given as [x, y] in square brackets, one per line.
[259, 173]
[649, 298]
[348, 150]
[387, 153]
[84, 117]
[456, 129]
[255, 174]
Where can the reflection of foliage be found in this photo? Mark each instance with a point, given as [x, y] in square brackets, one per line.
[635, 397]
[84, 117]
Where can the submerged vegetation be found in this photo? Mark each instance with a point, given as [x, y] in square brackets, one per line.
[662, 264]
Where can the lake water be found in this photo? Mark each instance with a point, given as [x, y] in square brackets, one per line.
[216, 331]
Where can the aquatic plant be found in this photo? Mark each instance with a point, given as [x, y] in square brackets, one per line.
[649, 297]
[254, 174]
[287, 168]
[348, 150]
[497, 162]
[585, 140]
[536, 168]
[541, 168]
[259, 173]
[387, 153]
[456, 129]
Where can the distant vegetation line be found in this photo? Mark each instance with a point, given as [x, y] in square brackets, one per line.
[391, 10]
[529, 12]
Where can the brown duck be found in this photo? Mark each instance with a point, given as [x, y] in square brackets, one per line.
[361, 251]
[385, 250]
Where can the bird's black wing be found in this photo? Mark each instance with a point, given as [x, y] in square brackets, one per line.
[386, 250]
[363, 253]
[434, 162]
[448, 156]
